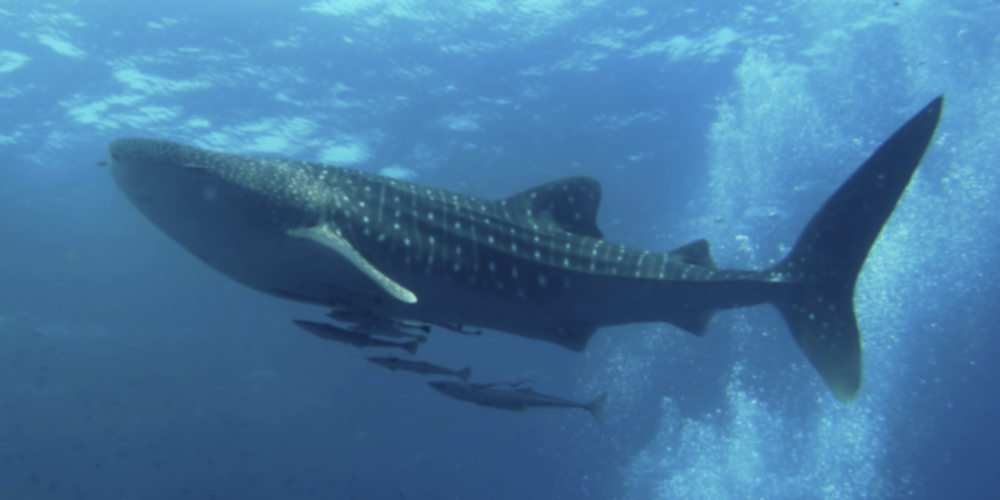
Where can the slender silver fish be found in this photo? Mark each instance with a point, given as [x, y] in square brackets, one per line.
[457, 328]
[366, 318]
[420, 367]
[386, 330]
[330, 332]
[516, 399]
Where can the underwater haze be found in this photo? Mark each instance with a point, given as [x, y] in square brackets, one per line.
[130, 370]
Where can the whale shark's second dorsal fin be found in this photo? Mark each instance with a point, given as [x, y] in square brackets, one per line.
[697, 252]
[570, 204]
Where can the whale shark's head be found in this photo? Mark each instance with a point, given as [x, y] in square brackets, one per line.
[268, 223]
[174, 184]
[182, 190]
[160, 173]
[209, 201]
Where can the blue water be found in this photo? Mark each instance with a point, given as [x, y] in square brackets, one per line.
[130, 370]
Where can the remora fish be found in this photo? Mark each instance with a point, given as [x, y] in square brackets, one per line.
[360, 318]
[458, 329]
[385, 330]
[420, 367]
[534, 264]
[517, 399]
[330, 332]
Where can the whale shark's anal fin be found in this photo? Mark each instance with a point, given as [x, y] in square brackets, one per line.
[571, 335]
[329, 239]
[824, 264]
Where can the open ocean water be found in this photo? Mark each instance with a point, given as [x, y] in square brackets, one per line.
[130, 370]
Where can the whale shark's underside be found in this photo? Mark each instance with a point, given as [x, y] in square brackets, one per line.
[534, 264]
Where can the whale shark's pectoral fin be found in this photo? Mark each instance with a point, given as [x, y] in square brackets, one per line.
[324, 236]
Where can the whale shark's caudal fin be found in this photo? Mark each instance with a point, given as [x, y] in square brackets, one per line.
[829, 254]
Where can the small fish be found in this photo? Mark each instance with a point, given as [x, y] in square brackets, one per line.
[457, 328]
[420, 367]
[102, 163]
[515, 399]
[330, 332]
[365, 318]
[386, 330]
[512, 385]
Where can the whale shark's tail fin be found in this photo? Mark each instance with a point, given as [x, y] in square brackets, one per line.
[826, 260]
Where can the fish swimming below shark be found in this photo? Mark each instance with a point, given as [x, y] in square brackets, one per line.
[358, 339]
[518, 399]
[420, 367]
[387, 331]
[367, 320]
[534, 264]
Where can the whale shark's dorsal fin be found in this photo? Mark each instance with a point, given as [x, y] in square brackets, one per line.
[324, 236]
[570, 204]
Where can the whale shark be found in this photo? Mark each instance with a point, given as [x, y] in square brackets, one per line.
[534, 264]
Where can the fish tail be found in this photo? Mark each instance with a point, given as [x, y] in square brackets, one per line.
[410, 347]
[465, 374]
[824, 264]
[596, 407]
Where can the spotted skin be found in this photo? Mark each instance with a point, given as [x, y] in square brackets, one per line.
[539, 253]
[534, 264]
